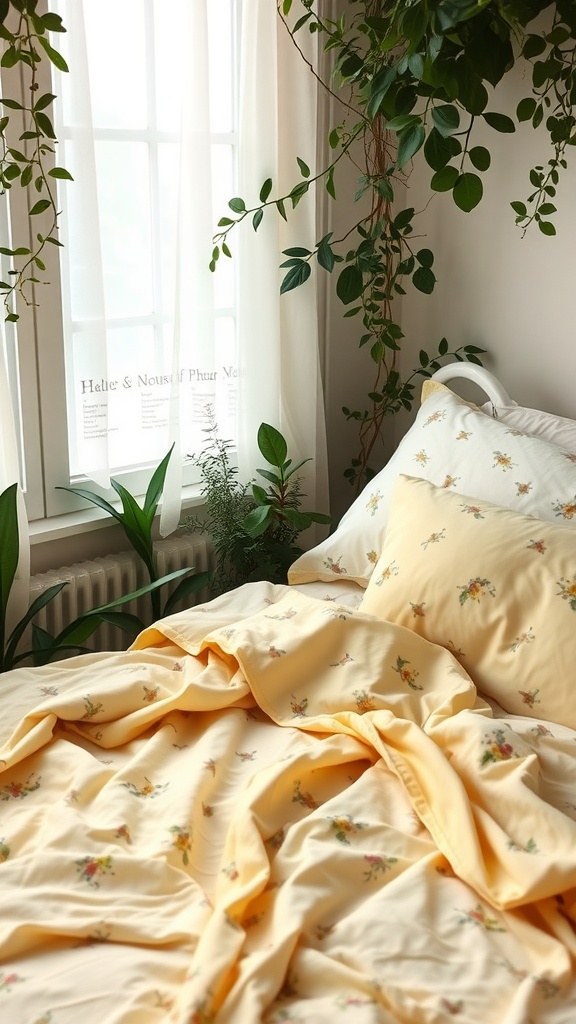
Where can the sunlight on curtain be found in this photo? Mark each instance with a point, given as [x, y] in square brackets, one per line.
[279, 379]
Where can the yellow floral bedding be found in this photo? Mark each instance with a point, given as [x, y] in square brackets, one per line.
[276, 809]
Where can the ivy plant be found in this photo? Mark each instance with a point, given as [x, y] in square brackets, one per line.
[417, 79]
[27, 151]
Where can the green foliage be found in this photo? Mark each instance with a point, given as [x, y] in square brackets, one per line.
[30, 164]
[137, 525]
[254, 528]
[418, 77]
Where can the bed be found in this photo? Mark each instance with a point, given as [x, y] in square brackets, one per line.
[352, 798]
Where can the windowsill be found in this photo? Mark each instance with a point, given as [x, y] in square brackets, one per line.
[88, 520]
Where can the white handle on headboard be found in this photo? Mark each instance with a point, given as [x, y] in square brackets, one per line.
[486, 380]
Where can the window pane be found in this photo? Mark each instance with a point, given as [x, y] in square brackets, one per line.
[118, 72]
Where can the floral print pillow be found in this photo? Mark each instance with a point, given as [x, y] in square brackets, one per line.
[457, 447]
[495, 587]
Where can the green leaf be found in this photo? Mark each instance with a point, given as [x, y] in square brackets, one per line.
[257, 520]
[409, 142]
[500, 122]
[519, 208]
[39, 207]
[265, 190]
[333, 139]
[546, 227]
[398, 124]
[329, 183]
[325, 256]
[60, 172]
[296, 250]
[295, 277]
[257, 218]
[155, 487]
[546, 209]
[350, 284]
[26, 176]
[281, 208]
[52, 54]
[272, 445]
[480, 158]
[12, 104]
[425, 257]
[8, 552]
[424, 280]
[10, 57]
[237, 205]
[380, 85]
[190, 585]
[52, 22]
[526, 108]
[444, 180]
[44, 124]
[304, 169]
[468, 192]
[225, 222]
[533, 46]
[446, 119]
[298, 192]
[286, 5]
[437, 152]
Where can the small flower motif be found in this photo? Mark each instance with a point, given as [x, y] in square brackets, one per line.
[345, 660]
[434, 538]
[283, 616]
[454, 650]
[387, 573]
[571, 456]
[275, 841]
[228, 633]
[529, 697]
[566, 509]
[548, 988]
[210, 766]
[246, 755]
[91, 708]
[299, 706]
[567, 591]
[523, 489]
[524, 638]
[435, 417]
[363, 701]
[451, 1006]
[182, 841]
[479, 917]
[4, 851]
[421, 457]
[497, 748]
[177, 667]
[475, 589]
[450, 481]
[275, 652]
[472, 510]
[345, 826]
[418, 609]
[335, 567]
[19, 790]
[373, 503]
[304, 799]
[407, 675]
[148, 791]
[150, 695]
[207, 810]
[163, 1001]
[537, 545]
[539, 730]
[231, 871]
[91, 868]
[377, 865]
[72, 796]
[8, 980]
[49, 691]
[463, 435]
[530, 846]
[123, 832]
[502, 461]
[372, 556]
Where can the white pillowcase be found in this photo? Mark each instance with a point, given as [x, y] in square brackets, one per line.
[453, 445]
[557, 430]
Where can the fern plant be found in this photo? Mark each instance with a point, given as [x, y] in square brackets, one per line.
[254, 529]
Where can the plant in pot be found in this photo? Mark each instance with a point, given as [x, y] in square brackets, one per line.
[254, 528]
[413, 82]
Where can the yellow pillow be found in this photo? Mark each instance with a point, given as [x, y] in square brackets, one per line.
[495, 587]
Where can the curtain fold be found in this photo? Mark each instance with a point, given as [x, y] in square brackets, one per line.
[279, 365]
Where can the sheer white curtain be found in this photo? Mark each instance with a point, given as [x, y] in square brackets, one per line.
[278, 367]
[278, 335]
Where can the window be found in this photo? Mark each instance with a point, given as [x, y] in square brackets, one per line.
[99, 365]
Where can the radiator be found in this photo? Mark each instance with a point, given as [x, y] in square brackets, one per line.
[97, 582]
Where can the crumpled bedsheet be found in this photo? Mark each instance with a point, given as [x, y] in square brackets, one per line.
[273, 809]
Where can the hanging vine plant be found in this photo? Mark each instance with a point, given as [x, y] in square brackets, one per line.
[418, 78]
[27, 153]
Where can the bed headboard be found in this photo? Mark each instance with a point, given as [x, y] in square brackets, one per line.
[490, 384]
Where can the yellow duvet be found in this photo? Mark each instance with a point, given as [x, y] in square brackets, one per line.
[274, 809]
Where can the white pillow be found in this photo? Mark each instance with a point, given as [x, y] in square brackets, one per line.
[557, 430]
[455, 445]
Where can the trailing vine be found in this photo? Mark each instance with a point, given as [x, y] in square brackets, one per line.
[417, 77]
[26, 43]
